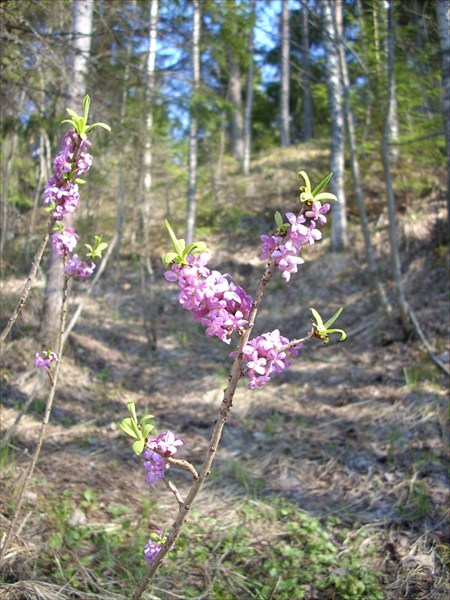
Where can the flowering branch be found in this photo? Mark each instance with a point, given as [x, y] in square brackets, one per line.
[224, 308]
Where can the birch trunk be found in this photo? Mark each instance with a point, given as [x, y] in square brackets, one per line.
[307, 113]
[356, 176]
[193, 127]
[339, 239]
[236, 120]
[81, 46]
[146, 268]
[386, 158]
[284, 96]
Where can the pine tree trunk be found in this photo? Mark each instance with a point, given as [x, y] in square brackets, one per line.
[284, 96]
[249, 97]
[339, 240]
[82, 11]
[193, 126]
[443, 19]
[402, 306]
[307, 113]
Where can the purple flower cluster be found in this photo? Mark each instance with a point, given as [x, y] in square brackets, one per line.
[214, 300]
[284, 248]
[79, 268]
[61, 191]
[267, 354]
[44, 361]
[61, 198]
[153, 546]
[155, 465]
[64, 240]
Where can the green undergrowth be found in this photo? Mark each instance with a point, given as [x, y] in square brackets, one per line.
[267, 549]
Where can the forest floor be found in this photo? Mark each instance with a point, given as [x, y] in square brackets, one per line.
[354, 431]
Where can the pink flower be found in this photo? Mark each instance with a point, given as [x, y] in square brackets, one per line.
[78, 268]
[166, 443]
[64, 240]
[44, 361]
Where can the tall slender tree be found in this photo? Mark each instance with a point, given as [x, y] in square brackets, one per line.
[193, 125]
[249, 93]
[339, 238]
[307, 112]
[82, 11]
[402, 305]
[285, 72]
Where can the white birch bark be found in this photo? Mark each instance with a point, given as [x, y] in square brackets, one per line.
[235, 94]
[307, 113]
[339, 239]
[193, 126]
[284, 95]
[82, 11]
[402, 305]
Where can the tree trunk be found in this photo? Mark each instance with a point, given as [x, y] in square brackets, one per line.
[147, 275]
[81, 45]
[386, 158]
[284, 95]
[249, 96]
[356, 176]
[307, 113]
[443, 19]
[236, 119]
[193, 126]
[339, 240]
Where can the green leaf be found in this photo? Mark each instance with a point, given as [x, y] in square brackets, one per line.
[318, 319]
[104, 125]
[325, 196]
[86, 106]
[127, 426]
[132, 410]
[330, 322]
[138, 446]
[307, 182]
[278, 220]
[176, 244]
[169, 258]
[146, 419]
[325, 181]
[72, 113]
[146, 429]
[341, 331]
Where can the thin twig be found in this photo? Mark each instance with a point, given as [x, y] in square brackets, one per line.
[173, 488]
[423, 339]
[45, 420]
[28, 283]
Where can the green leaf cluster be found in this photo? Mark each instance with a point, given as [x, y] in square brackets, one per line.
[306, 195]
[79, 123]
[180, 250]
[96, 250]
[137, 429]
[322, 330]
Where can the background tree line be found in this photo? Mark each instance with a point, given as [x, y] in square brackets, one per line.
[187, 84]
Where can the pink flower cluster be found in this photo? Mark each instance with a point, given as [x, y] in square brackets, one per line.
[155, 465]
[44, 361]
[61, 191]
[214, 300]
[153, 546]
[61, 197]
[284, 248]
[267, 354]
